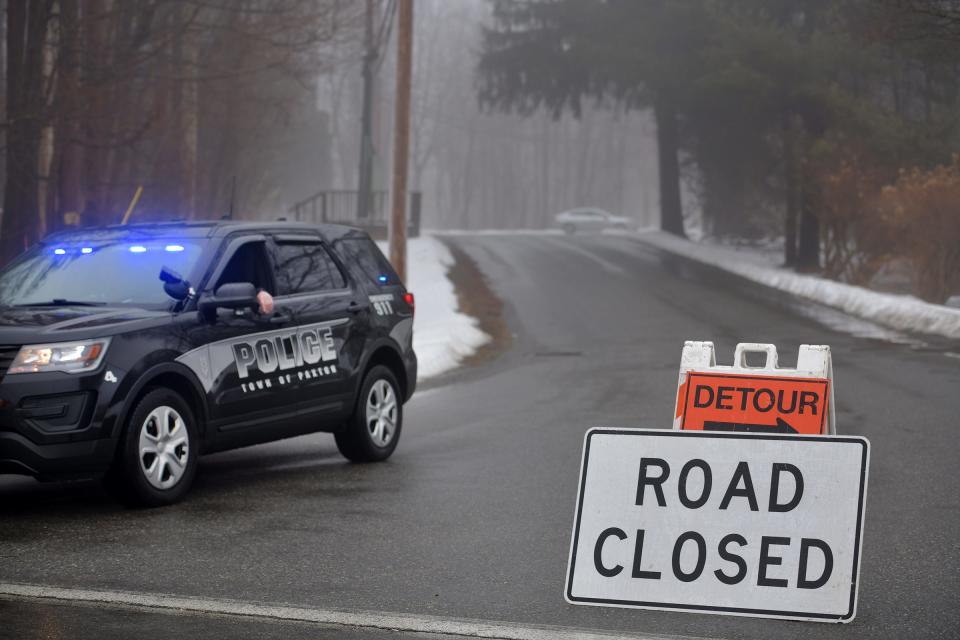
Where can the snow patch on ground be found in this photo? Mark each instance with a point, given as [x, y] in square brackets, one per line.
[442, 335]
[904, 313]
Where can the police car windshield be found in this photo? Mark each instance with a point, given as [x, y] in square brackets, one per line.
[122, 273]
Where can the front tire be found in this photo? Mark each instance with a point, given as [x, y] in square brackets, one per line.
[157, 455]
[372, 432]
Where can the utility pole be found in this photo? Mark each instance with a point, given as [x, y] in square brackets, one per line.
[401, 138]
[365, 172]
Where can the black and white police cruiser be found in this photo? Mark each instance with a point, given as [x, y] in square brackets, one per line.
[128, 351]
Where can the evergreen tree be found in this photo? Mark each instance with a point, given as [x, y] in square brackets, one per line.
[555, 54]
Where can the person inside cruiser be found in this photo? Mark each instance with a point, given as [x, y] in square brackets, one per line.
[249, 264]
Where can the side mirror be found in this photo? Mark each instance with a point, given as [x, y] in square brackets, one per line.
[233, 295]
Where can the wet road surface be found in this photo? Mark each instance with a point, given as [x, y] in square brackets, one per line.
[471, 518]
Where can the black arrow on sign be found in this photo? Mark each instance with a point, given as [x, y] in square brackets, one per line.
[782, 426]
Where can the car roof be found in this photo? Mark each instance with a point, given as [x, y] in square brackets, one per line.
[194, 229]
[588, 210]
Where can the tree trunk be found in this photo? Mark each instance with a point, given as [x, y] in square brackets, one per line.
[671, 210]
[467, 180]
[791, 181]
[582, 139]
[96, 116]
[26, 30]
[808, 247]
[46, 196]
[70, 183]
[619, 144]
[185, 61]
[543, 157]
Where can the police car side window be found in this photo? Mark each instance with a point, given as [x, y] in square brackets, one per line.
[248, 264]
[304, 267]
[364, 253]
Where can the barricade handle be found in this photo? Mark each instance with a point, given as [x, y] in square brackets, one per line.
[743, 348]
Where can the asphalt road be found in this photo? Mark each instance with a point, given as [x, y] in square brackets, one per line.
[471, 517]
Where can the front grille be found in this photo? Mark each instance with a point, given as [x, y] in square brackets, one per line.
[7, 353]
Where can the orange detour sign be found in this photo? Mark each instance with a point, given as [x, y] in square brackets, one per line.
[764, 399]
[734, 402]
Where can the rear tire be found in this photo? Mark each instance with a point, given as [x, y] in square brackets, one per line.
[157, 454]
[569, 229]
[372, 432]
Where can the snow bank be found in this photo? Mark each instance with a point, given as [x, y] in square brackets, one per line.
[904, 313]
[442, 335]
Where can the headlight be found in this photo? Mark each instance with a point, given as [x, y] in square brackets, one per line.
[71, 357]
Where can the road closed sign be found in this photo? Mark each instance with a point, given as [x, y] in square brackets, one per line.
[732, 523]
[743, 402]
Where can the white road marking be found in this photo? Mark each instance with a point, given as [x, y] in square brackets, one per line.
[363, 619]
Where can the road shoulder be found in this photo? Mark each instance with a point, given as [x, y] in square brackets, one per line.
[476, 298]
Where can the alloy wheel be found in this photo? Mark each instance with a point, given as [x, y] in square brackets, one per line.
[381, 413]
[164, 447]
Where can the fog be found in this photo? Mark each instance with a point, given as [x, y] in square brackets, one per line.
[826, 128]
[476, 167]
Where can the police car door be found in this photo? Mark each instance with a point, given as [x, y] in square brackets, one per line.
[240, 355]
[329, 319]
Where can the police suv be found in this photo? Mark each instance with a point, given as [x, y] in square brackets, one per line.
[129, 350]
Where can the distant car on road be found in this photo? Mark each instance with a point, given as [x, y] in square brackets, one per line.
[129, 350]
[590, 219]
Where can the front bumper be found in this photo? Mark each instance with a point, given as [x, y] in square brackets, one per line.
[51, 461]
[56, 424]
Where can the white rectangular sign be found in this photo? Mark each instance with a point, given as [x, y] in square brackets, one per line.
[730, 523]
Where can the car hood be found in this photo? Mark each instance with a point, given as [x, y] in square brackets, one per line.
[46, 324]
